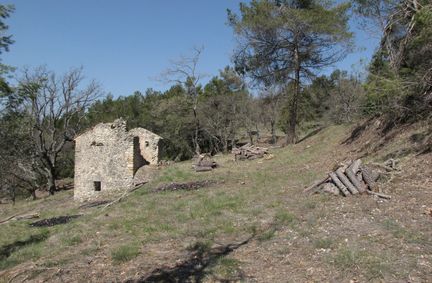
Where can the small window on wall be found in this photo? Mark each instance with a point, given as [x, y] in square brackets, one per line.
[97, 186]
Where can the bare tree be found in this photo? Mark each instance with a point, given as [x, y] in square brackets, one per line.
[54, 107]
[225, 96]
[184, 72]
[18, 168]
[345, 98]
[374, 15]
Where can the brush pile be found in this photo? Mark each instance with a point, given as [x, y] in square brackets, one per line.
[249, 152]
[349, 179]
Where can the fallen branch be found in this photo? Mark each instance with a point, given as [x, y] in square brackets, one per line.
[379, 194]
[124, 195]
[316, 185]
[94, 204]
[20, 217]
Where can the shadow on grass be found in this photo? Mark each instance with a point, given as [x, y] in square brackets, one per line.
[311, 134]
[195, 267]
[7, 250]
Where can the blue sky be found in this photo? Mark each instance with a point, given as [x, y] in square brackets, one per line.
[126, 44]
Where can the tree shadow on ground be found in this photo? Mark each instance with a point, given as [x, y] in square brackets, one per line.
[311, 134]
[7, 250]
[194, 268]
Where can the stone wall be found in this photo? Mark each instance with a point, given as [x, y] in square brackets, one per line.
[107, 157]
[149, 144]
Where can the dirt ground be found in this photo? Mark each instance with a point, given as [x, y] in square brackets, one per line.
[253, 225]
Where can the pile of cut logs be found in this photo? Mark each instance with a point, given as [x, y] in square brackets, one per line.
[204, 163]
[249, 152]
[349, 179]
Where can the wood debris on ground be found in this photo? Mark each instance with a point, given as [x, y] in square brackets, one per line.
[20, 217]
[249, 152]
[184, 186]
[94, 204]
[349, 179]
[54, 221]
[205, 163]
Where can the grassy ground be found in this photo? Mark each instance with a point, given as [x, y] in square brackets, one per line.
[288, 236]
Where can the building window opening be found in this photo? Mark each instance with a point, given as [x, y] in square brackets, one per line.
[97, 186]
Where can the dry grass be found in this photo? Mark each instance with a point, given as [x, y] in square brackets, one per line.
[297, 238]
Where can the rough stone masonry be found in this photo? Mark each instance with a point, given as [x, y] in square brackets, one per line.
[108, 156]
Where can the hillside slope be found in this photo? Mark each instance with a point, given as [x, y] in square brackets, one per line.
[254, 225]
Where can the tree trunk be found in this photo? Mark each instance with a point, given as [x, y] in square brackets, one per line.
[33, 193]
[291, 131]
[51, 177]
[12, 193]
[195, 138]
[273, 132]
[225, 145]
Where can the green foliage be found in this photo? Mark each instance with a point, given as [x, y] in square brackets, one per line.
[372, 265]
[419, 51]
[274, 30]
[283, 218]
[400, 72]
[5, 40]
[286, 42]
[384, 93]
[169, 114]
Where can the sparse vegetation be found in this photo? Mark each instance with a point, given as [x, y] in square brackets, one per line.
[242, 221]
[160, 227]
[124, 253]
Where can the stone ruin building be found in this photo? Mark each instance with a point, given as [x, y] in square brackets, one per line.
[108, 156]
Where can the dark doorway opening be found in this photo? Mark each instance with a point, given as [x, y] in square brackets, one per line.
[97, 186]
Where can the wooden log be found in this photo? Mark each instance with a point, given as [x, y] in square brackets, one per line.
[379, 195]
[359, 176]
[355, 166]
[202, 169]
[207, 163]
[316, 184]
[339, 184]
[352, 177]
[340, 173]
[369, 177]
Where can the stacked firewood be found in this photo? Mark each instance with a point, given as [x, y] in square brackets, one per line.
[349, 179]
[249, 152]
[204, 163]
